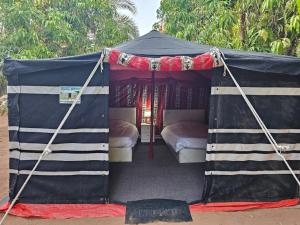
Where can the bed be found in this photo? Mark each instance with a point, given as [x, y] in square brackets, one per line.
[123, 134]
[185, 133]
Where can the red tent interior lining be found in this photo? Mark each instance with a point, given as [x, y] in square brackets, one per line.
[173, 90]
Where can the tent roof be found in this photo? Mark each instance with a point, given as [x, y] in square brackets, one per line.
[155, 44]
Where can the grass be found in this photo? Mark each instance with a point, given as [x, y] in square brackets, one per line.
[3, 105]
[3, 96]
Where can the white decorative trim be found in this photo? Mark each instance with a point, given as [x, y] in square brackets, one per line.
[67, 157]
[291, 91]
[59, 173]
[54, 90]
[58, 147]
[254, 131]
[250, 157]
[250, 147]
[62, 131]
[247, 172]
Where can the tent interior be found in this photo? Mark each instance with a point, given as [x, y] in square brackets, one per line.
[172, 167]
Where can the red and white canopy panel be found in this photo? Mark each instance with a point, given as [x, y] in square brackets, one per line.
[205, 61]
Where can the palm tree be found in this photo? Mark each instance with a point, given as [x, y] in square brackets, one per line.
[124, 20]
[125, 5]
[128, 25]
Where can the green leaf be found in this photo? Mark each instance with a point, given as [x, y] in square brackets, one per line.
[263, 34]
[277, 46]
[295, 23]
[44, 28]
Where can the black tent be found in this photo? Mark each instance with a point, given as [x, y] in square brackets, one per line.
[240, 166]
[156, 44]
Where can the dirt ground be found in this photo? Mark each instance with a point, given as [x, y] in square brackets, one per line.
[282, 216]
[3, 157]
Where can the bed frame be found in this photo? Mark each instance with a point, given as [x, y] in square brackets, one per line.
[186, 155]
[129, 115]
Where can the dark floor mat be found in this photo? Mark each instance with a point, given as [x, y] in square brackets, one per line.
[160, 178]
[151, 210]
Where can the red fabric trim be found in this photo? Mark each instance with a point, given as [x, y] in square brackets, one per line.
[239, 206]
[165, 63]
[139, 63]
[64, 211]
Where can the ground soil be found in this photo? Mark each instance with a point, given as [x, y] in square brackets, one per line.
[3, 157]
[281, 216]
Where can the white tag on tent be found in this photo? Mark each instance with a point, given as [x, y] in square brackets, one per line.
[68, 94]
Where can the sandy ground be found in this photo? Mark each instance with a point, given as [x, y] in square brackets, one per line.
[3, 157]
[283, 216]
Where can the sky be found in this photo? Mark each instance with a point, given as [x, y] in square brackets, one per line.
[146, 14]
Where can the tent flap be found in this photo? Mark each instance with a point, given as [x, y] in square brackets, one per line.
[241, 164]
[77, 169]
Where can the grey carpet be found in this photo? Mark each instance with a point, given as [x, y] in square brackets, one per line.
[162, 177]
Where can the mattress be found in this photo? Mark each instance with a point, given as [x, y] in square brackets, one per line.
[186, 134]
[122, 134]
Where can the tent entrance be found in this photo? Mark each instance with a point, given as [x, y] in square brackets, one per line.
[164, 175]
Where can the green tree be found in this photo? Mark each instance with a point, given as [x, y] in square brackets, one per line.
[53, 28]
[257, 25]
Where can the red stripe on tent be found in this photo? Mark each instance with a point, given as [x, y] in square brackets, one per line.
[64, 211]
[239, 206]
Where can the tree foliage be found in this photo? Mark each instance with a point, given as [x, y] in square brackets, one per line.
[257, 25]
[53, 28]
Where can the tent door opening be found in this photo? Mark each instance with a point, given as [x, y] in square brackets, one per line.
[174, 166]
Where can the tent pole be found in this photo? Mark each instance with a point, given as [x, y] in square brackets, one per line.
[151, 153]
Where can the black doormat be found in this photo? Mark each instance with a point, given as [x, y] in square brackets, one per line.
[151, 210]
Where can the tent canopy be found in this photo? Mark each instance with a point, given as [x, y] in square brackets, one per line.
[156, 44]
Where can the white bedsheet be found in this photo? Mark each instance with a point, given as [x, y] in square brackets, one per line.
[122, 134]
[186, 134]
